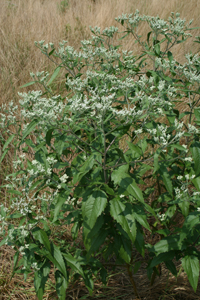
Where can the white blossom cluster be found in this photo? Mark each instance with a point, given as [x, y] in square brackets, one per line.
[190, 69]
[47, 111]
[174, 26]
[163, 138]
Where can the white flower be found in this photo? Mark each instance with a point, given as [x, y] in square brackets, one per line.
[188, 159]
[63, 179]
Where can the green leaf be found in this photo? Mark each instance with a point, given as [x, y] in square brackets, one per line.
[14, 192]
[85, 168]
[28, 129]
[15, 261]
[9, 140]
[58, 257]
[127, 183]
[49, 136]
[125, 249]
[157, 49]
[61, 285]
[196, 182]
[171, 267]
[124, 217]
[162, 257]
[93, 207]
[184, 205]
[93, 244]
[40, 279]
[197, 113]
[141, 217]
[28, 84]
[60, 201]
[3, 155]
[170, 56]
[191, 221]
[41, 236]
[74, 264]
[156, 163]
[3, 242]
[139, 243]
[195, 150]
[54, 75]
[191, 266]
[167, 244]
[166, 179]
[136, 151]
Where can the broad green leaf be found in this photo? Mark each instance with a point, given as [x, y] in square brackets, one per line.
[156, 164]
[40, 279]
[15, 216]
[191, 266]
[15, 261]
[49, 136]
[3, 155]
[136, 151]
[184, 205]
[74, 264]
[9, 140]
[54, 75]
[14, 192]
[197, 113]
[191, 221]
[3, 242]
[41, 236]
[93, 207]
[61, 285]
[123, 216]
[28, 129]
[96, 242]
[86, 167]
[167, 244]
[139, 243]
[179, 147]
[171, 267]
[195, 150]
[166, 179]
[127, 183]
[162, 257]
[170, 56]
[57, 255]
[60, 201]
[157, 49]
[141, 217]
[196, 182]
[125, 250]
[90, 234]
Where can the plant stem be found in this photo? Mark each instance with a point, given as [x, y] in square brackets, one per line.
[132, 281]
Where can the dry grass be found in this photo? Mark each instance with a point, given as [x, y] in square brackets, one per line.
[22, 23]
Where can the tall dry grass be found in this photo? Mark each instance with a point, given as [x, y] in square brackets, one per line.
[23, 22]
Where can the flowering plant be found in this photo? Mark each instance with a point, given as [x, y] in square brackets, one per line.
[116, 159]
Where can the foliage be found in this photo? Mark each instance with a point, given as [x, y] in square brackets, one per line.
[79, 174]
[63, 5]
